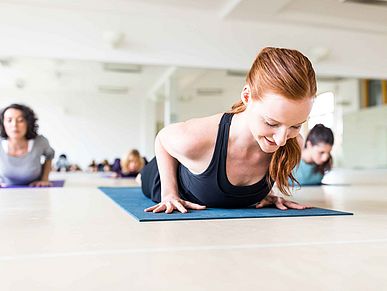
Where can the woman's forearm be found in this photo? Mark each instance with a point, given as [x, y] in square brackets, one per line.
[167, 166]
[46, 170]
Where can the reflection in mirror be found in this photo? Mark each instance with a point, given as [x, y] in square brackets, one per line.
[92, 110]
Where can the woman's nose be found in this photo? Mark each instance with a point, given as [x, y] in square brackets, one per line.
[280, 137]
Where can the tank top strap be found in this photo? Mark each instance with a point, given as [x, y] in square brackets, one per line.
[222, 138]
[221, 142]
[225, 124]
[226, 118]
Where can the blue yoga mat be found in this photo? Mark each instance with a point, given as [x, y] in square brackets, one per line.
[55, 184]
[134, 202]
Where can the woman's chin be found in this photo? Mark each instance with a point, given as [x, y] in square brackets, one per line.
[266, 148]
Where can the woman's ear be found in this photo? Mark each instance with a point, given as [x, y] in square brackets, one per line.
[246, 94]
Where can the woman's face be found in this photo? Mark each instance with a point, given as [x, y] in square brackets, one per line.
[320, 152]
[133, 164]
[15, 124]
[274, 119]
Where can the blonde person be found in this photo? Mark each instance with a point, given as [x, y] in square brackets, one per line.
[232, 160]
[130, 165]
[316, 159]
[22, 148]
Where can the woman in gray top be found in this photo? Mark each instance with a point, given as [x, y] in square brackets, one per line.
[21, 149]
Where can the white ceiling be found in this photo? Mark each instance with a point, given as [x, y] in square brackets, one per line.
[73, 78]
[320, 13]
[341, 38]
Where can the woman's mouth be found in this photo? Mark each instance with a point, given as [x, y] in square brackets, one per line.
[270, 142]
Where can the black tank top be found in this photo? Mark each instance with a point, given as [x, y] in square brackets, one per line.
[212, 187]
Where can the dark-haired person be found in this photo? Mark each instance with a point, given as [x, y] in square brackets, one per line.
[231, 160]
[62, 164]
[22, 148]
[316, 159]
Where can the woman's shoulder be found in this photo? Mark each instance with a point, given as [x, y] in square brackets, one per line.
[204, 122]
[192, 137]
[196, 128]
[305, 166]
[40, 139]
[41, 142]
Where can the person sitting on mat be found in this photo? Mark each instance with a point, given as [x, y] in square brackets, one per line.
[130, 165]
[22, 148]
[232, 160]
[316, 159]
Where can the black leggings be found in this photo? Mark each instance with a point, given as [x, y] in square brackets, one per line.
[150, 181]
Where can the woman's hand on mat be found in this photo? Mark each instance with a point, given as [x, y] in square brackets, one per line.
[280, 203]
[168, 205]
[41, 184]
[114, 175]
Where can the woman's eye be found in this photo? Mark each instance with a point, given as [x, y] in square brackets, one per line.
[271, 125]
[297, 126]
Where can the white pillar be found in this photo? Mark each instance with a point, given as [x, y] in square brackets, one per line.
[170, 100]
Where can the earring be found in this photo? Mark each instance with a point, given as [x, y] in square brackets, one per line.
[246, 97]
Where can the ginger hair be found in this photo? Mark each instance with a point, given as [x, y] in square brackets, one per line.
[288, 73]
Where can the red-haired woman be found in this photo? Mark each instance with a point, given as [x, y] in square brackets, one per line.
[231, 160]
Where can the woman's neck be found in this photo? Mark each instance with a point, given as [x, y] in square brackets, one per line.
[240, 131]
[17, 144]
[242, 138]
[306, 156]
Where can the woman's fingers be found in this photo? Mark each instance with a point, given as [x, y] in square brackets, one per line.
[280, 204]
[156, 208]
[170, 206]
[149, 209]
[41, 184]
[294, 205]
[180, 207]
[161, 207]
[263, 203]
[194, 206]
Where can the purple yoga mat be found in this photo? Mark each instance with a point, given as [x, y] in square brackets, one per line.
[55, 184]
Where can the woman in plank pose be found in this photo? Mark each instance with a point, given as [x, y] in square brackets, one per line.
[232, 159]
[22, 148]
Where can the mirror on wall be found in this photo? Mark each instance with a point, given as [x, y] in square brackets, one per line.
[95, 110]
[99, 110]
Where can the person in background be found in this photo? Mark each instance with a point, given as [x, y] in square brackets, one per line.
[104, 166]
[92, 167]
[316, 159]
[75, 168]
[116, 166]
[22, 148]
[62, 164]
[130, 166]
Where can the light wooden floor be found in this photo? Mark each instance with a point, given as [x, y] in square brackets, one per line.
[75, 238]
